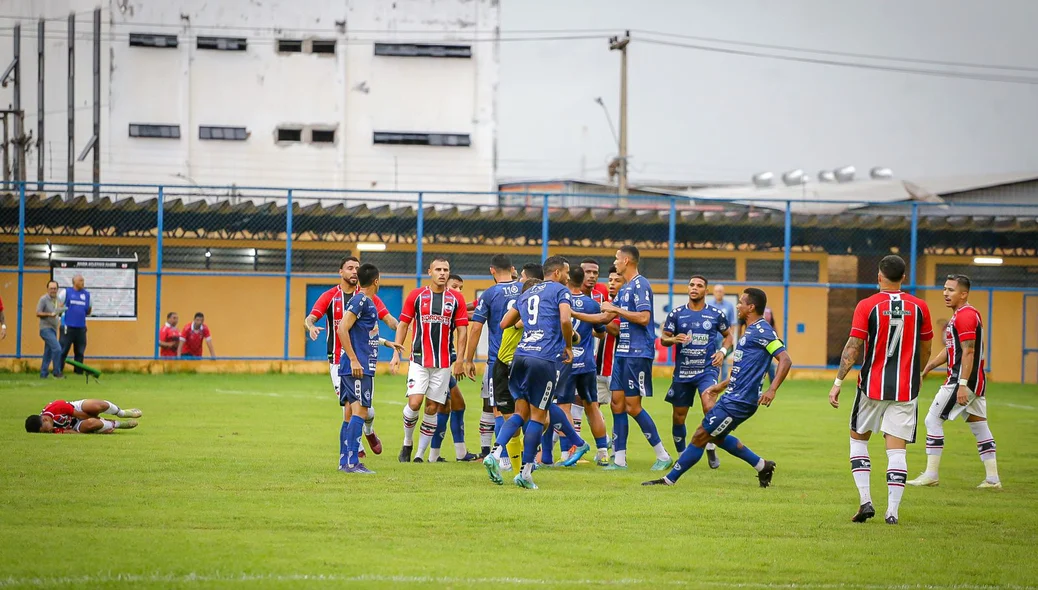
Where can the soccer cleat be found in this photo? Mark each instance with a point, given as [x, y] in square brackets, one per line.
[924, 480]
[614, 467]
[865, 512]
[131, 413]
[602, 461]
[506, 464]
[711, 459]
[995, 485]
[126, 424]
[493, 469]
[576, 455]
[524, 483]
[657, 482]
[374, 442]
[891, 520]
[361, 454]
[662, 464]
[418, 460]
[764, 477]
[469, 457]
[405, 454]
[441, 460]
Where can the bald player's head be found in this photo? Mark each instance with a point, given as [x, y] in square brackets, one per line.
[78, 282]
[719, 292]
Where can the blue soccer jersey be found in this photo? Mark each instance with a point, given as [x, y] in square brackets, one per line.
[758, 344]
[493, 304]
[702, 327]
[539, 309]
[636, 341]
[363, 334]
[584, 351]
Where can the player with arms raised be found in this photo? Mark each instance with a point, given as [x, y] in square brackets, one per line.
[894, 329]
[963, 392]
[758, 345]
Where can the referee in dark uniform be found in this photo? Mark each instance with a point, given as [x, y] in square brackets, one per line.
[78, 307]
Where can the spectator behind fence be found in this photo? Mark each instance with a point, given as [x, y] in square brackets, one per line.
[169, 336]
[729, 312]
[50, 310]
[77, 308]
[193, 335]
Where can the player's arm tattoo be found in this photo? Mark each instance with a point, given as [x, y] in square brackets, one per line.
[969, 351]
[849, 356]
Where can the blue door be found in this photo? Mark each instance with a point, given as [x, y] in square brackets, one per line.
[393, 297]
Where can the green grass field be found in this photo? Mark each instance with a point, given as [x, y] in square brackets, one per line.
[231, 481]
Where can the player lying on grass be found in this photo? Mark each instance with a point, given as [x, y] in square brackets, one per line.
[81, 416]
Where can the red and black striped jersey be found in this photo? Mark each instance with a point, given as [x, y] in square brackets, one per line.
[965, 325]
[331, 303]
[435, 317]
[606, 352]
[893, 324]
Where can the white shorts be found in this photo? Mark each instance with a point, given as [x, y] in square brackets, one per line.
[889, 417]
[946, 407]
[333, 370]
[604, 395]
[78, 405]
[432, 383]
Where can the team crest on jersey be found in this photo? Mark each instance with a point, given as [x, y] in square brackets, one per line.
[578, 303]
[742, 341]
[706, 324]
[737, 356]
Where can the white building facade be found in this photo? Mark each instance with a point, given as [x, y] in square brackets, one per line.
[354, 94]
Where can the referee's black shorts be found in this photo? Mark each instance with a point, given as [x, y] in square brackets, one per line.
[502, 396]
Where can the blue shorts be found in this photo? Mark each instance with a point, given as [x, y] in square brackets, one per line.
[683, 394]
[565, 393]
[633, 376]
[723, 418]
[534, 380]
[353, 390]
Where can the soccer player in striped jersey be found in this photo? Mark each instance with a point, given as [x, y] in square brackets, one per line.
[895, 332]
[635, 350]
[591, 287]
[963, 391]
[436, 312]
[81, 417]
[358, 332]
[331, 304]
[606, 350]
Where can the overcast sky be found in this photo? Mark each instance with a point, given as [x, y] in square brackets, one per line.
[697, 115]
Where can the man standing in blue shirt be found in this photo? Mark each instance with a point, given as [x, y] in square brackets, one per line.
[635, 349]
[692, 330]
[77, 308]
[742, 394]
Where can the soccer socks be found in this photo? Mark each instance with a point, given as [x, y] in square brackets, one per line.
[734, 447]
[108, 426]
[534, 431]
[861, 469]
[648, 427]
[620, 428]
[342, 443]
[487, 427]
[506, 432]
[934, 443]
[438, 435]
[353, 432]
[425, 433]
[547, 447]
[680, 433]
[113, 410]
[986, 448]
[457, 420]
[369, 422]
[410, 420]
[561, 421]
[576, 412]
[689, 457]
[897, 475]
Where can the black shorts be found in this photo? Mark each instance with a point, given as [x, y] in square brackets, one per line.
[503, 399]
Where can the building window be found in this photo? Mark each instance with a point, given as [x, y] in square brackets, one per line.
[158, 131]
[290, 134]
[800, 271]
[150, 40]
[222, 43]
[224, 133]
[323, 46]
[422, 50]
[290, 46]
[434, 139]
[322, 136]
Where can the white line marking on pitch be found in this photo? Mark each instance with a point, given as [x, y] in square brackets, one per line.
[208, 578]
[1017, 406]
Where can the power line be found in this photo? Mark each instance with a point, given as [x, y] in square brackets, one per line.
[348, 40]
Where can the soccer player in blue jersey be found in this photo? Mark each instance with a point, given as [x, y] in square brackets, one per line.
[544, 309]
[635, 349]
[742, 394]
[358, 332]
[693, 330]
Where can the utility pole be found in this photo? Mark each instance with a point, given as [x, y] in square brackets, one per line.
[620, 44]
[40, 44]
[71, 106]
[19, 129]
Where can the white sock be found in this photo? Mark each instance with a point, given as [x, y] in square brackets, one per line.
[410, 420]
[986, 448]
[425, 433]
[576, 411]
[499, 451]
[661, 452]
[109, 425]
[934, 444]
[711, 447]
[460, 451]
[620, 458]
[369, 426]
[897, 474]
[527, 471]
[434, 455]
[486, 429]
[760, 465]
[564, 455]
[113, 410]
[861, 469]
